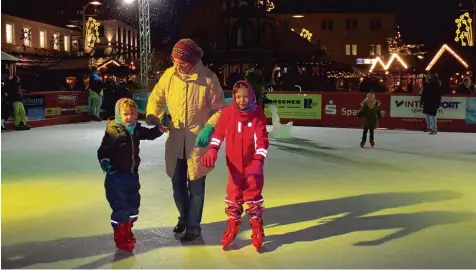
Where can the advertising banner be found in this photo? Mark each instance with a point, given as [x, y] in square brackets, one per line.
[65, 103]
[296, 106]
[34, 107]
[340, 109]
[471, 110]
[141, 100]
[411, 107]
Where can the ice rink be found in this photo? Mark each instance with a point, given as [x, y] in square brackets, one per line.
[410, 202]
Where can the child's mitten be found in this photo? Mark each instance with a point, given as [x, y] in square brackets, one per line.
[106, 166]
[209, 159]
[255, 168]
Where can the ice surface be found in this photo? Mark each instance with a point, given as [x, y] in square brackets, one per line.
[407, 203]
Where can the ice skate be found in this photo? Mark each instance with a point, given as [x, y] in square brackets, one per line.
[257, 236]
[122, 237]
[230, 232]
[129, 230]
[362, 144]
[372, 143]
[24, 126]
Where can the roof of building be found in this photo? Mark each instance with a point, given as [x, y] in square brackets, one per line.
[9, 58]
[53, 22]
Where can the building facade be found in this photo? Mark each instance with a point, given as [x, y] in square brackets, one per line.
[22, 36]
[346, 37]
[115, 38]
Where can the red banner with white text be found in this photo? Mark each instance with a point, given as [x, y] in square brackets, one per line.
[340, 109]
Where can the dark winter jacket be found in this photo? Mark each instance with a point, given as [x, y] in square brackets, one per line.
[431, 98]
[371, 116]
[14, 91]
[122, 148]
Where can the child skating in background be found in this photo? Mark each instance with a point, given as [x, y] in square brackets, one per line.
[119, 159]
[243, 123]
[370, 111]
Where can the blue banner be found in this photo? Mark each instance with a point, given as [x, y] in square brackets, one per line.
[34, 107]
[471, 110]
[141, 99]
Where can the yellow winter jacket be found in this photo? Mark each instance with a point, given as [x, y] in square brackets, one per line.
[192, 103]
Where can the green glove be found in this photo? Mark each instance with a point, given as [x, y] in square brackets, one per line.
[204, 136]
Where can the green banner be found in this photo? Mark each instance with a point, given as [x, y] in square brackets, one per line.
[296, 106]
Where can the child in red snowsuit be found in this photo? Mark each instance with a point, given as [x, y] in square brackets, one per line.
[243, 123]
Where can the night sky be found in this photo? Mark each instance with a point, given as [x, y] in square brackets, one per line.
[421, 21]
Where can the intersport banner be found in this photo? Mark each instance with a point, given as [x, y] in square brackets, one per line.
[411, 107]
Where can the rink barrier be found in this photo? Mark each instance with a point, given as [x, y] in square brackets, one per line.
[457, 113]
[64, 107]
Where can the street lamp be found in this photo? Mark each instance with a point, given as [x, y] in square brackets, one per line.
[94, 3]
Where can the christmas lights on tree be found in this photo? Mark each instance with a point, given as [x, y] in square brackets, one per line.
[92, 32]
[268, 5]
[464, 32]
[397, 46]
[306, 34]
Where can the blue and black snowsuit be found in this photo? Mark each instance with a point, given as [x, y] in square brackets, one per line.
[120, 145]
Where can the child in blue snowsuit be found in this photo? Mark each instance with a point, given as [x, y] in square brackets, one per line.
[119, 159]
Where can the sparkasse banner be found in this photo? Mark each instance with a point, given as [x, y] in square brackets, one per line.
[411, 107]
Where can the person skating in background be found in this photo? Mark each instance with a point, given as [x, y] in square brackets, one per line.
[7, 108]
[15, 95]
[256, 79]
[95, 94]
[243, 123]
[119, 158]
[431, 96]
[371, 114]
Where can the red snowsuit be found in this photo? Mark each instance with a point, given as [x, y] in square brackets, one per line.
[246, 142]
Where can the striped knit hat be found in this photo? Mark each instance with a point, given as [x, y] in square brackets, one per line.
[187, 50]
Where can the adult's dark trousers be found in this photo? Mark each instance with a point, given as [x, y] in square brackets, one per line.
[122, 193]
[189, 197]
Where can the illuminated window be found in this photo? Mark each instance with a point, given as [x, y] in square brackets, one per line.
[347, 49]
[66, 43]
[42, 39]
[9, 33]
[372, 49]
[354, 49]
[379, 49]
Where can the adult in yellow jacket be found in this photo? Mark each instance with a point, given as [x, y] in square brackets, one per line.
[195, 100]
